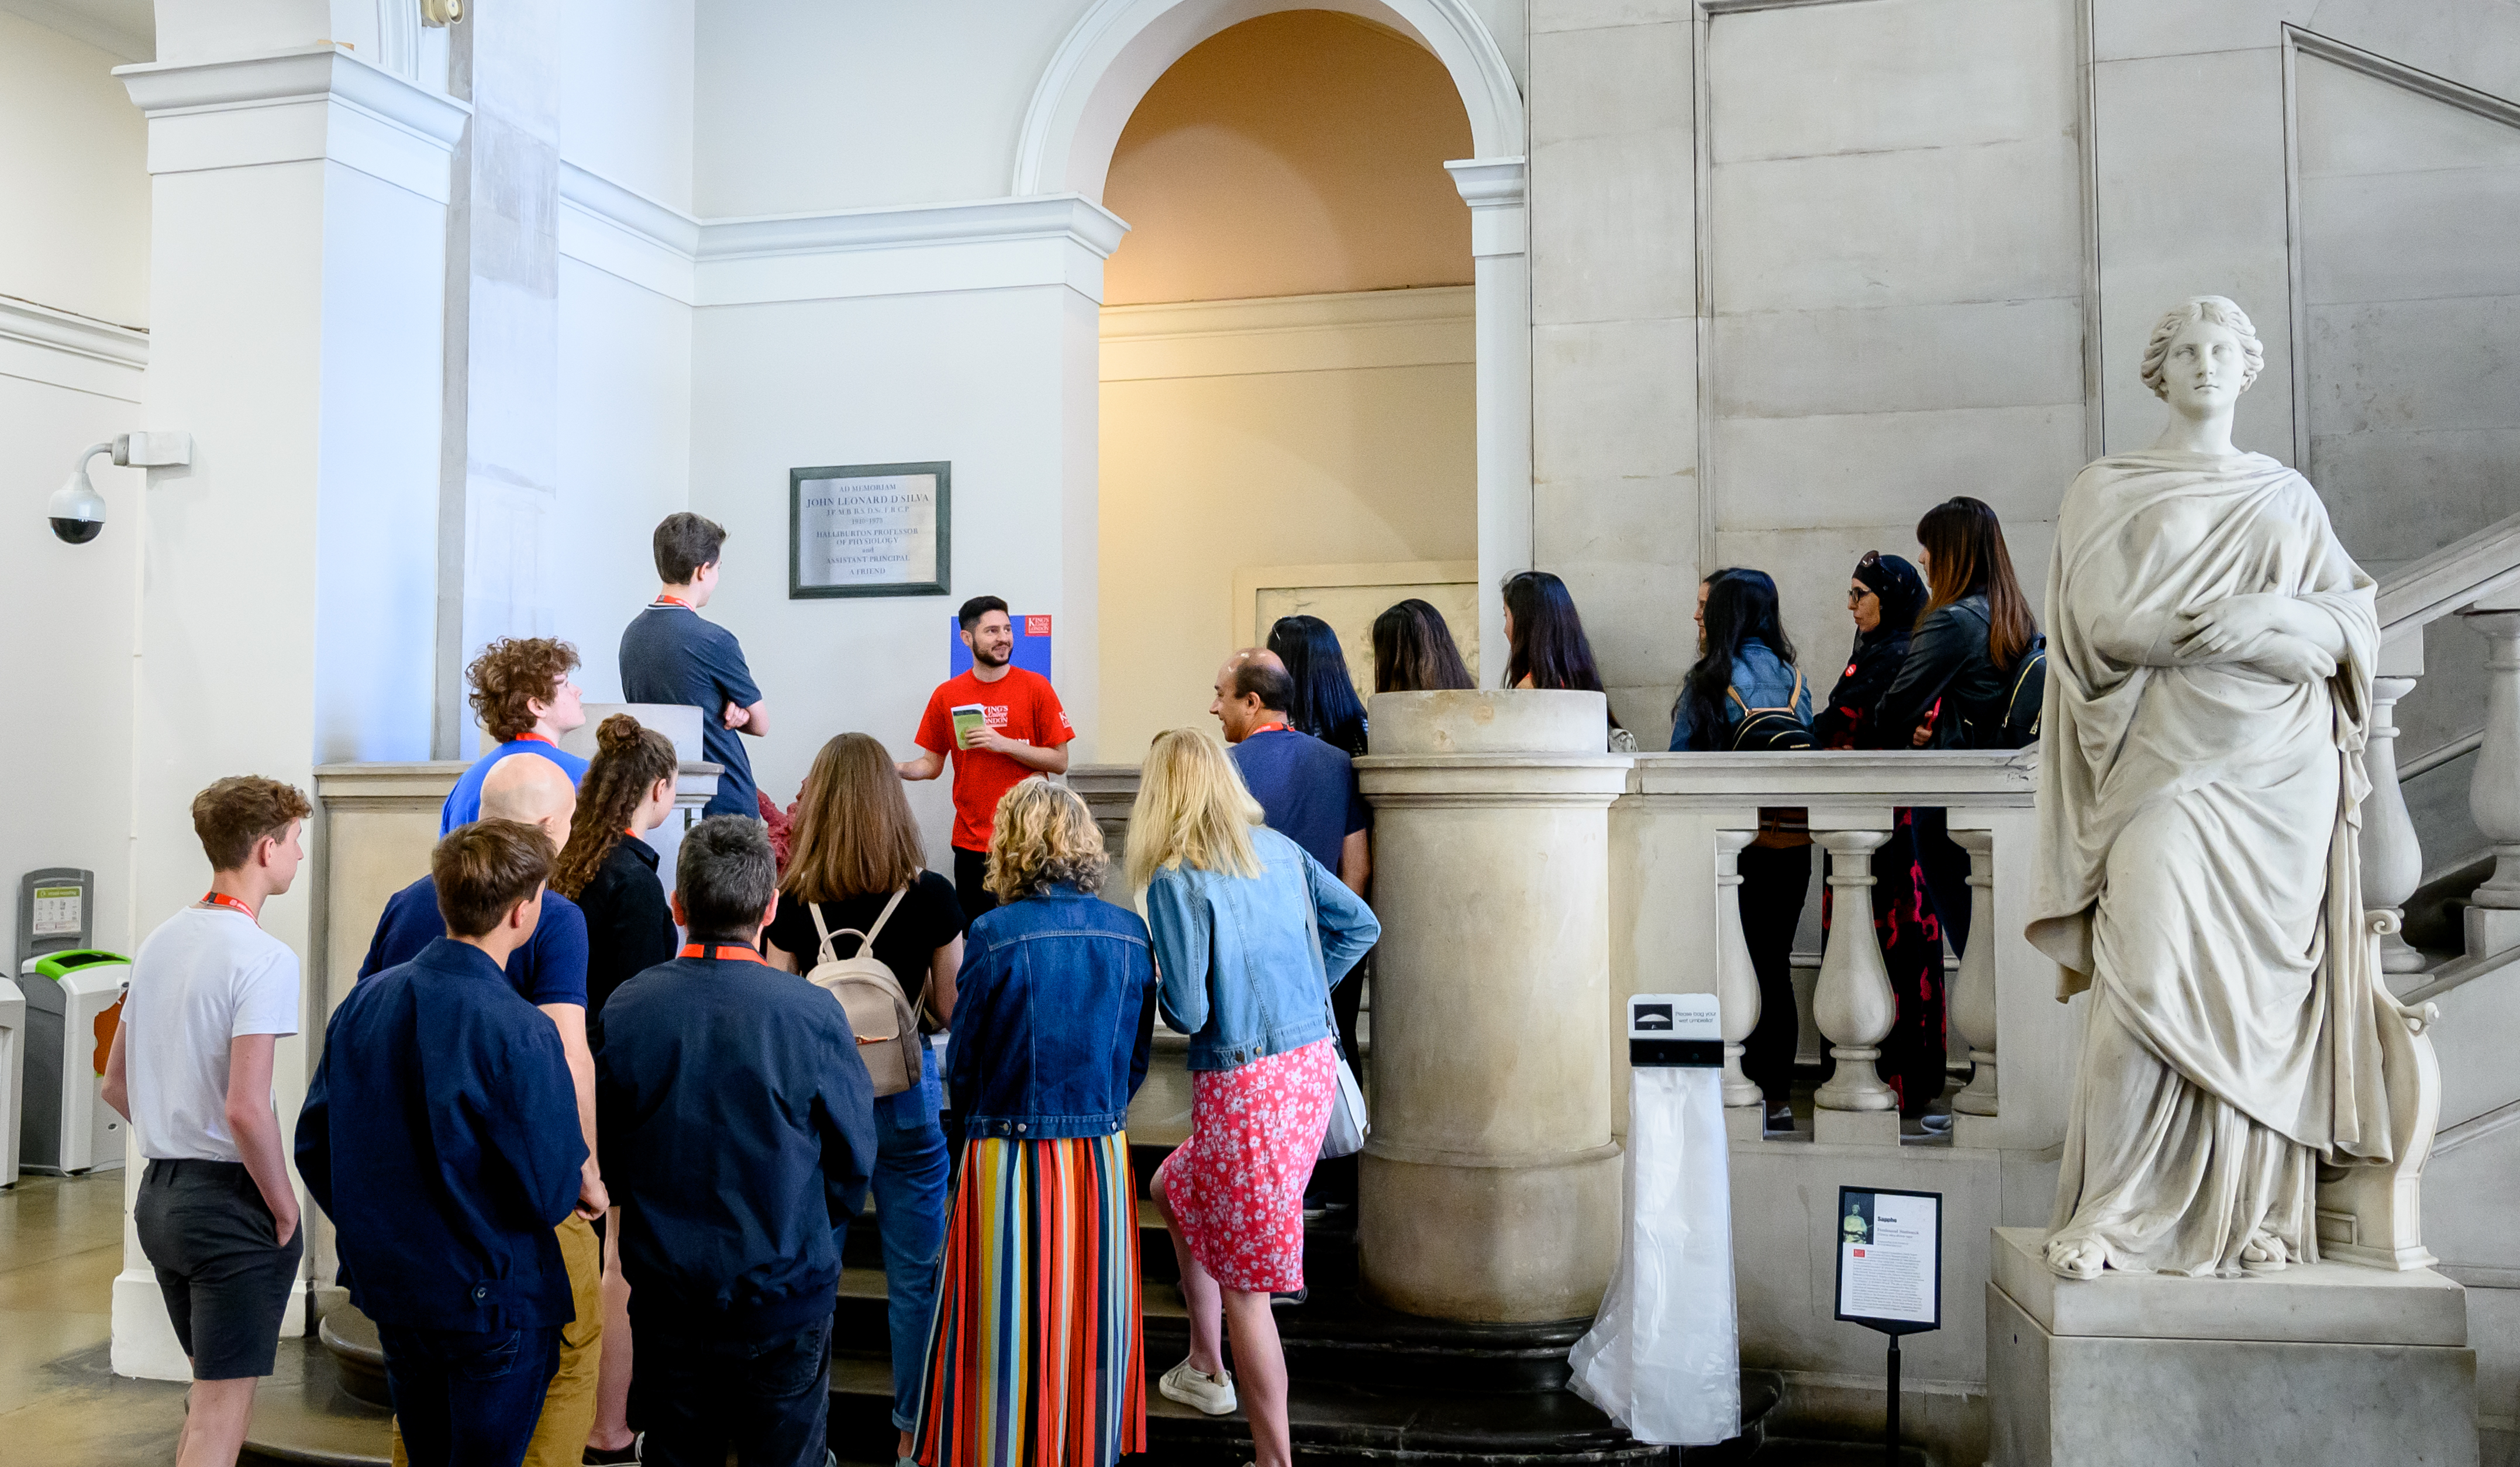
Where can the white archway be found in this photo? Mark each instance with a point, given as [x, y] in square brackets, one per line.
[1118, 47]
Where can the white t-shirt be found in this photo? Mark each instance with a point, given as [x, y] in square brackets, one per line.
[203, 977]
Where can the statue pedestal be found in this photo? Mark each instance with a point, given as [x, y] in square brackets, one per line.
[2332, 1363]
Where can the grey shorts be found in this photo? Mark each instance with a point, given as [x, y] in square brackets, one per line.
[209, 1236]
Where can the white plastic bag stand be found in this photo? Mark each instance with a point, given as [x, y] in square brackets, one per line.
[1663, 1359]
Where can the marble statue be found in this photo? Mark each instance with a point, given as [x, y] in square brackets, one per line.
[2210, 651]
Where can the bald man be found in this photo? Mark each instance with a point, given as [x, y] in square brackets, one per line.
[550, 971]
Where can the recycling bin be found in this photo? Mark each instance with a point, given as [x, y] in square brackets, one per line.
[74, 1002]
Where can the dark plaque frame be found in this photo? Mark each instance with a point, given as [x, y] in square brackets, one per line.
[942, 582]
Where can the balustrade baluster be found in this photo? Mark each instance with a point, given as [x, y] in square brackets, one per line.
[2494, 794]
[2393, 857]
[1737, 982]
[1972, 996]
[1855, 1005]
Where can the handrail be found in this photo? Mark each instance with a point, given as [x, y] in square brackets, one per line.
[2462, 572]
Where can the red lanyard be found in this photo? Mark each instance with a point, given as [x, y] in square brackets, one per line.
[664, 600]
[726, 953]
[529, 734]
[1278, 727]
[222, 899]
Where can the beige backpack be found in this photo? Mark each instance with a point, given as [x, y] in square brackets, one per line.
[879, 1015]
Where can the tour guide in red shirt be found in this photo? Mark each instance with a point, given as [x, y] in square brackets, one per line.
[1021, 731]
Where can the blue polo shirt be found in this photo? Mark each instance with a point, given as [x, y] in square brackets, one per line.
[440, 1135]
[464, 802]
[670, 655]
[550, 968]
[1306, 789]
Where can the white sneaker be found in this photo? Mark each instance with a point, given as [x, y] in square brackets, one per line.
[1198, 1390]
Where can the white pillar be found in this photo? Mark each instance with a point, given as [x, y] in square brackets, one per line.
[1972, 999]
[1854, 1005]
[2494, 794]
[297, 228]
[2393, 857]
[1736, 981]
[1501, 263]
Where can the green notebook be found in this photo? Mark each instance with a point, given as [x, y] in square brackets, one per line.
[969, 720]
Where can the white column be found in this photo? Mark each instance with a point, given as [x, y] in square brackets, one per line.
[1854, 1005]
[2393, 857]
[297, 228]
[2494, 794]
[1500, 250]
[1737, 982]
[1972, 997]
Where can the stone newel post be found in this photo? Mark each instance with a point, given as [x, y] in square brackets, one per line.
[1490, 1190]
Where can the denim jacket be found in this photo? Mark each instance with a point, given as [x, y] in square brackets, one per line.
[1054, 1018]
[1763, 679]
[1242, 974]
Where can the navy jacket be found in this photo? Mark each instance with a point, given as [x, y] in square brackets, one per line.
[440, 1135]
[1054, 1018]
[737, 1130]
[550, 968]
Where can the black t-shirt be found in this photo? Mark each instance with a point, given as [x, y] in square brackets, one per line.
[928, 919]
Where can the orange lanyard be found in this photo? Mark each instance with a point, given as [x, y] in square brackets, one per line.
[222, 899]
[530, 735]
[673, 601]
[1266, 728]
[725, 952]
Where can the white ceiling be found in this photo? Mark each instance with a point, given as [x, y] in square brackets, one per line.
[128, 28]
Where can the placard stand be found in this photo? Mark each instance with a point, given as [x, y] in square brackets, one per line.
[1890, 1273]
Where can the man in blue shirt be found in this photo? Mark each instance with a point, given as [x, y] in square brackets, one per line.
[436, 1136]
[549, 971]
[669, 655]
[738, 1126]
[525, 700]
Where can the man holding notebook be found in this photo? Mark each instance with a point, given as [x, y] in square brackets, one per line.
[999, 723]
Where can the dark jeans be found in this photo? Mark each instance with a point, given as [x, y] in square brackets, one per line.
[971, 867]
[1774, 881]
[769, 1397]
[468, 1397]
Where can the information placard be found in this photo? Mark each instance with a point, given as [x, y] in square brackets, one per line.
[869, 529]
[1890, 1259]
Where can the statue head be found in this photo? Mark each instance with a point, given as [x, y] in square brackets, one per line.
[2195, 336]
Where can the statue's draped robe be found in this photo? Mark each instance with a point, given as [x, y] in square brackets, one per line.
[2197, 855]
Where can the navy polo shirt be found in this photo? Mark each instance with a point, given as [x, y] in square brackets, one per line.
[550, 968]
[1306, 789]
[670, 654]
[464, 802]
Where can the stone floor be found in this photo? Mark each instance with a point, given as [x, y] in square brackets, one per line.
[61, 1404]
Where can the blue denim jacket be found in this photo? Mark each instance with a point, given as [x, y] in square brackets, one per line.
[1763, 679]
[1054, 1018]
[1242, 976]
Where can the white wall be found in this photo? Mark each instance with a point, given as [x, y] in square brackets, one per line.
[73, 178]
[627, 80]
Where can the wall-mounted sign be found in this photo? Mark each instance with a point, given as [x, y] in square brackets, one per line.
[1031, 650]
[1890, 1259]
[869, 529]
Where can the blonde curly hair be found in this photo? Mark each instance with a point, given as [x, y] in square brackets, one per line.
[2223, 312]
[1045, 835]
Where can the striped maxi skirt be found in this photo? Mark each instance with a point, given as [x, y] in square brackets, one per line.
[1036, 1354]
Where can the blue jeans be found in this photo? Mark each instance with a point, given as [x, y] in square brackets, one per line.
[909, 1186]
[467, 1397]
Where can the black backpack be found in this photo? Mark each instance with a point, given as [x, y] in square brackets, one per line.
[2023, 705]
[1769, 729]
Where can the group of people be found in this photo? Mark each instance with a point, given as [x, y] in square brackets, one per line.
[589, 1137]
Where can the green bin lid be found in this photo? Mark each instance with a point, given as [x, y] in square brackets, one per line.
[59, 965]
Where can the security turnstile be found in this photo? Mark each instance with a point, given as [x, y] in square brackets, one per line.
[74, 1002]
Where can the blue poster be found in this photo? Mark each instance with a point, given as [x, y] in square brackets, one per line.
[1032, 646]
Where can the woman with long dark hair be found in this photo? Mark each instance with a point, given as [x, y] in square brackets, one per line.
[1954, 689]
[1413, 651]
[1546, 645]
[1746, 661]
[1884, 598]
[1324, 705]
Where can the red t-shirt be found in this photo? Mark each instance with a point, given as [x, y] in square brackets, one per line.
[1020, 705]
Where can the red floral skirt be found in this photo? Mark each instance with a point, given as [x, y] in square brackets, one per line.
[1237, 1186]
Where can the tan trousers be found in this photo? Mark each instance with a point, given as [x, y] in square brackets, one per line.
[568, 1407]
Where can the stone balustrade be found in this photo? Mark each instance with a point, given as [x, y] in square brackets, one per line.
[1676, 926]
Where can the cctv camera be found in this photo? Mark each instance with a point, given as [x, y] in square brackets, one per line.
[77, 510]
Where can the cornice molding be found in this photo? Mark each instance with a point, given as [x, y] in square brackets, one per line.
[629, 210]
[66, 331]
[1348, 330]
[971, 222]
[312, 72]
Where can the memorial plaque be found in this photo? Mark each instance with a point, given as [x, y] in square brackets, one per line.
[869, 529]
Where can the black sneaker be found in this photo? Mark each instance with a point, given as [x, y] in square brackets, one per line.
[596, 1456]
[1290, 1300]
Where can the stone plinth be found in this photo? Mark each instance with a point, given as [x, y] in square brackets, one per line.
[1490, 1190]
[2329, 1363]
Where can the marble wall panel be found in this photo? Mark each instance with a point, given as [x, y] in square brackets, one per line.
[1614, 397]
[2387, 366]
[1585, 15]
[2389, 130]
[1897, 74]
[1612, 176]
[1993, 223]
[2473, 42]
[2412, 234]
[2395, 497]
[1889, 468]
[2190, 201]
[1999, 353]
[2124, 29]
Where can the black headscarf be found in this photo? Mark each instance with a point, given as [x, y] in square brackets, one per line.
[1845, 721]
